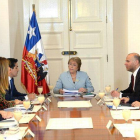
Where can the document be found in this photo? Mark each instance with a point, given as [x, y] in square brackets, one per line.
[7, 123]
[22, 108]
[26, 118]
[9, 134]
[125, 107]
[135, 114]
[74, 104]
[66, 95]
[70, 91]
[127, 130]
[69, 123]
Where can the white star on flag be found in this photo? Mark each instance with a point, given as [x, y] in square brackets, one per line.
[31, 32]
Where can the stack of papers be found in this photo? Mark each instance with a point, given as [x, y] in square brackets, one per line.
[71, 92]
[9, 134]
[21, 107]
[7, 123]
[135, 114]
[125, 107]
[69, 123]
[88, 94]
[73, 104]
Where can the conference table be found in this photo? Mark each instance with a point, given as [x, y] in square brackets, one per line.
[100, 116]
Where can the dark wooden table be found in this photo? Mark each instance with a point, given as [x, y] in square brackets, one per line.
[100, 117]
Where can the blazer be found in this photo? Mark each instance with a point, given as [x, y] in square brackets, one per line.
[15, 94]
[133, 95]
[65, 82]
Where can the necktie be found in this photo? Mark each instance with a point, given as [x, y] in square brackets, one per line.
[11, 84]
[132, 81]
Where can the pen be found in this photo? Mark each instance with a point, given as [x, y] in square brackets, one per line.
[117, 89]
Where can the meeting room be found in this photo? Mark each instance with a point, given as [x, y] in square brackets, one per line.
[69, 69]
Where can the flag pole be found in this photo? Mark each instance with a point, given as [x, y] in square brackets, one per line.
[33, 6]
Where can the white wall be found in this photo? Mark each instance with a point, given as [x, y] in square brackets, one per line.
[16, 35]
[4, 29]
[120, 32]
[134, 26]
[126, 33]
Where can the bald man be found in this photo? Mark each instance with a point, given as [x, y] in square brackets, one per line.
[132, 93]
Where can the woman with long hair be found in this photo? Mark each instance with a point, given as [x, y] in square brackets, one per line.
[4, 69]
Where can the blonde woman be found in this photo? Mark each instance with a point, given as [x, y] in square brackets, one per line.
[4, 69]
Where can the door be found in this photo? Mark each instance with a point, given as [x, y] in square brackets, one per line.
[74, 25]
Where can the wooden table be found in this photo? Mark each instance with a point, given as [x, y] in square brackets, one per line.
[100, 117]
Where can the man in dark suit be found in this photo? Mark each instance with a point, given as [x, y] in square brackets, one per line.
[12, 93]
[132, 93]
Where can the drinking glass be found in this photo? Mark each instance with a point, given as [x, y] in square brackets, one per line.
[101, 94]
[26, 104]
[41, 99]
[137, 131]
[108, 88]
[51, 88]
[17, 115]
[40, 89]
[116, 102]
[126, 113]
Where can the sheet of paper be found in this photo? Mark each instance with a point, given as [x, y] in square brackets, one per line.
[69, 123]
[74, 104]
[35, 101]
[35, 109]
[125, 107]
[65, 95]
[21, 107]
[70, 91]
[7, 123]
[127, 130]
[16, 136]
[26, 118]
[135, 114]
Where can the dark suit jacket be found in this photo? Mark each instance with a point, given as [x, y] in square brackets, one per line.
[133, 95]
[16, 94]
[1, 118]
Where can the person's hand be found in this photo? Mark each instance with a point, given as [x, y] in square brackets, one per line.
[135, 104]
[125, 99]
[82, 90]
[61, 91]
[18, 102]
[6, 115]
[115, 93]
[31, 96]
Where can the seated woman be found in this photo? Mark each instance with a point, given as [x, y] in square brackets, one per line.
[74, 79]
[4, 69]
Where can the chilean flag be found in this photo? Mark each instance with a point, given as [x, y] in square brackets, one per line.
[34, 63]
